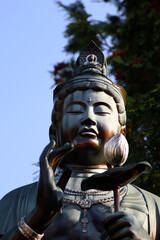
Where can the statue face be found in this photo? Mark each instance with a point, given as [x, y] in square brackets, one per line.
[90, 117]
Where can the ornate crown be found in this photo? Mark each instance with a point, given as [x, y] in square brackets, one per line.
[90, 73]
[91, 59]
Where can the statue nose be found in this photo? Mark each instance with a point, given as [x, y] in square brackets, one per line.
[88, 118]
[88, 121]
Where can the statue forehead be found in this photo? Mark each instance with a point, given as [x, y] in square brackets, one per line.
[89, 96]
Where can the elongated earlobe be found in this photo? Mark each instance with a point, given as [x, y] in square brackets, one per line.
[52, 133]
[123, 131]
[55, 134]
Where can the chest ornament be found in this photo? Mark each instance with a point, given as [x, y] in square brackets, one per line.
[87, 199]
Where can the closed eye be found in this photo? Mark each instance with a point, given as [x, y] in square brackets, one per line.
[75, 112]
[102, 113]
[102, 109]
[75, 109]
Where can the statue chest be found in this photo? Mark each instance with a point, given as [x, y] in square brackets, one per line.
[77, 223]
[82, 217]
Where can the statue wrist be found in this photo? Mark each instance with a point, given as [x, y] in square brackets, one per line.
[27, 231]
[39, 219]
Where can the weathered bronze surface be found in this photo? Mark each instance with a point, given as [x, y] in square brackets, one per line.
[88, 110]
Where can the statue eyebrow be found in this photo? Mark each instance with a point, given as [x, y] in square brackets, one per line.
[103, 103]
[75, 102]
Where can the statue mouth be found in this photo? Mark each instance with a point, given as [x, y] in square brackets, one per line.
[88, 133]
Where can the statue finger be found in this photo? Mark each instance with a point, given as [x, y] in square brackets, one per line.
[123, 233]
[60, 152]
[112, 218]
[46, 152]
[121, 223]
[64, 178]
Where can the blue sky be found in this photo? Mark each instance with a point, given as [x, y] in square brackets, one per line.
[31, 43]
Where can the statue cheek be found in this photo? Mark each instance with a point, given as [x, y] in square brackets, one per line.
[107, 135]
[69, 129]
[106, 131]
[108, 127]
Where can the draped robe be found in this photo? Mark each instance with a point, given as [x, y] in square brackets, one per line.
[68, 225]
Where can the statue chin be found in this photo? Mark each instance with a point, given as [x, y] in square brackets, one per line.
[88, 151]
[84, 142]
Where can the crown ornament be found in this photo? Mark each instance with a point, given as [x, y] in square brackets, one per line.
[91, 73]
[91, 59]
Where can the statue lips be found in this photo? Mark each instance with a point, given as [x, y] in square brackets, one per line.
[88, 133]
[87, 137]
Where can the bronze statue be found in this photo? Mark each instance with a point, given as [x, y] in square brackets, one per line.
[88, 110]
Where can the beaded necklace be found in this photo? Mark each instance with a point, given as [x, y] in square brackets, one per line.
[86, 203]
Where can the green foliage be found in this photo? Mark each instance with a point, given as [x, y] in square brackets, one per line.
[134, 57]
[78, 27]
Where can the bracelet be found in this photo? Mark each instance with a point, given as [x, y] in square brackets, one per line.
[27, 231]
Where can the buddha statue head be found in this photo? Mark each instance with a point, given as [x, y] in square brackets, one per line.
[88, 108]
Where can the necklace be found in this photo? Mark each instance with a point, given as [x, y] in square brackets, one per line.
[83, 193]
[86, 203]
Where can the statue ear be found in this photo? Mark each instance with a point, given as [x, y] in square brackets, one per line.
[123, 130]
[52, 132]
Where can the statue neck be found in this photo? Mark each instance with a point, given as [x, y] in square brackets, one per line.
[80, 172]
[87, 169]
[85, 158]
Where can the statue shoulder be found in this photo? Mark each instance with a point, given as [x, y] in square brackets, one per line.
[148, 195]
[152, 203]
[15, 205]
[142, 201]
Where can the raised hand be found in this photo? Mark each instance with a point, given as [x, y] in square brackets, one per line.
[47, 189]
[50, 195]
